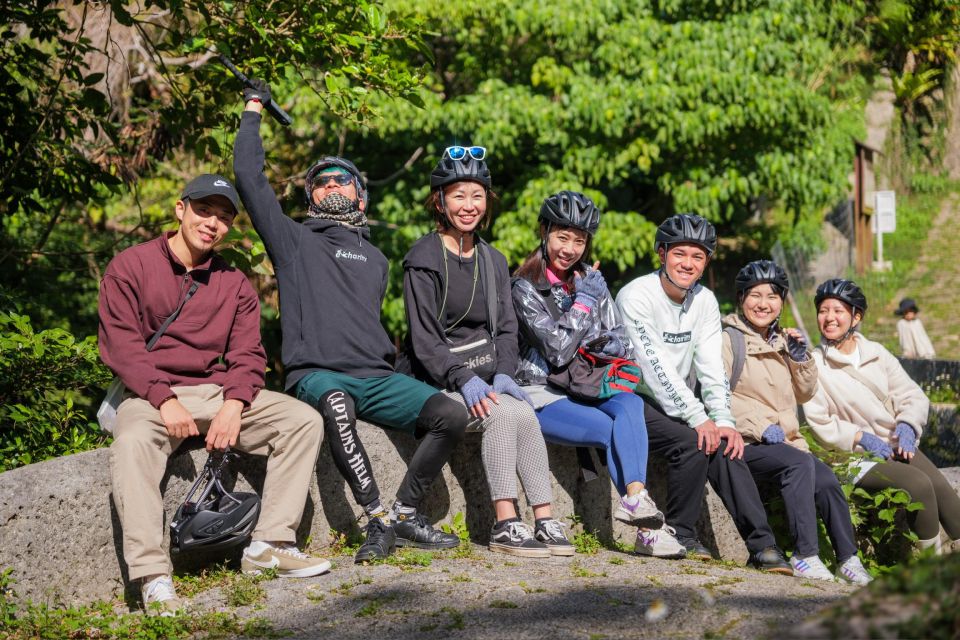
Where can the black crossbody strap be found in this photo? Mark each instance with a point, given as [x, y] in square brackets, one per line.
[173, 316]
[490, 289]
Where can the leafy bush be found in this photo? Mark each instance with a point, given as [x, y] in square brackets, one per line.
[878, 517]
[50, 383]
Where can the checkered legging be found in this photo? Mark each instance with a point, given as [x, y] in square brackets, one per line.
[513, 445]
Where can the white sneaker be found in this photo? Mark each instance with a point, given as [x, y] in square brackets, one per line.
[159, 597]
[639, 510]
[659, 543]
[853, 572]
[289, 561]
[811, 568]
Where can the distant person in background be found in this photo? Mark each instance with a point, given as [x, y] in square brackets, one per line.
[914, 342]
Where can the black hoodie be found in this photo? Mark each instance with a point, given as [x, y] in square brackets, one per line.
[425, 346]
[331, 279]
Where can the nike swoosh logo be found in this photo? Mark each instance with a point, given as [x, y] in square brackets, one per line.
[274, 562]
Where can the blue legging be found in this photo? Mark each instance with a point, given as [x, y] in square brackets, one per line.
[616, 425]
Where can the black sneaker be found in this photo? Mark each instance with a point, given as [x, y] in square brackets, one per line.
[695, 548]
[381, 542]
[516, 539]
[415, 531]
[551, 533]
[771, 560]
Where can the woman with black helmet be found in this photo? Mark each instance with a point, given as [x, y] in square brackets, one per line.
[563, 305]
[866, 401]
[463, 339]
[770, 373]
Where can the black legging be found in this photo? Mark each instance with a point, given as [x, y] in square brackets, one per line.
[924, 482]
[441, 422]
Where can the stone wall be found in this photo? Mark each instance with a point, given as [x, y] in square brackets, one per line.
[60, 533]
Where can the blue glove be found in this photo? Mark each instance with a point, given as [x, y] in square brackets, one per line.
[590, 288]
[875, 445]
[773, 435]
[906, 437]
[502, 383]
[797, 349]
[259, 91]
[475, 390]
[614, 347]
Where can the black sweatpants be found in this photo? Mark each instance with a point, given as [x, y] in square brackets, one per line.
[688, 469]
[441, 424]
[808, 486]
[924, 482]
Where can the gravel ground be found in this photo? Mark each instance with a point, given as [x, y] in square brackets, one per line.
[605, 595]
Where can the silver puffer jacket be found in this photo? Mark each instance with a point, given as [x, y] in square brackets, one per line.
[552, 329]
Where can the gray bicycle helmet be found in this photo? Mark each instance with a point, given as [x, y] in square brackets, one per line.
[570, 209]
[686, 227]
[216, 518]
[761, 272]
[335, 161]
[845, 291]
[449, 171]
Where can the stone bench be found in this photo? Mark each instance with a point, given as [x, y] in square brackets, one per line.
[60, 533]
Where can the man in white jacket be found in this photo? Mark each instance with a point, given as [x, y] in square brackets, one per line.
[674, 324]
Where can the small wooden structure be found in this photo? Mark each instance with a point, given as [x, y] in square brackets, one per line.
[864, 188]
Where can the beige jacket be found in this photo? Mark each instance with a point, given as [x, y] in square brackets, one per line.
[914, 342]
[844, 405]
[770, 386]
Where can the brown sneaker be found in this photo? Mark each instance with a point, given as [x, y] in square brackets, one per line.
[289, 561]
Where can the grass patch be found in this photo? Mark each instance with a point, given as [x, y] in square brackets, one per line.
[372, 606]
[528, 589]
[461, 578]
[410, 559]
[722, 582]
[502, 604]
[246, 590]
[616, 561]
[722, 632]
[577, 570]
[655, 580]
[100, 621]
[345, 544]
[209, 578]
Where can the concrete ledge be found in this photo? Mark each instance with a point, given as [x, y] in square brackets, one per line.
[60, 533]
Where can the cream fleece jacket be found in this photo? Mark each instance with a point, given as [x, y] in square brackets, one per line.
[844, 405]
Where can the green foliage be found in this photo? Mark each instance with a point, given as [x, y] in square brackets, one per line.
[97, 96]
[584, 541]
[99, 620]
[458, 527]
[920, 600]
[49, 382]
[879, 517]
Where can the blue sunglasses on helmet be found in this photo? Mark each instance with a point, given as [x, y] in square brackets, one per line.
[461, 153]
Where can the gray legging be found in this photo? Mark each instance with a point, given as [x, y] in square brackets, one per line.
[924, 482]
[513, 444]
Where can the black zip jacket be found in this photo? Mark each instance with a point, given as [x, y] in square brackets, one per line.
[331, 279]
[425, 346]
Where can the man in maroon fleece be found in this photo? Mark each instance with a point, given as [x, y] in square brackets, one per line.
[204, 376]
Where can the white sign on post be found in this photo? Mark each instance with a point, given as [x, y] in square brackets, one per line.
[885, 212]
[884, 220]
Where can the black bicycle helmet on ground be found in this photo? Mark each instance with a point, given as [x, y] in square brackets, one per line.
[686, 227]
[761, 272]
[449, 171]
[335, 161]
[216, 518]
[570, 209]
[845, 291]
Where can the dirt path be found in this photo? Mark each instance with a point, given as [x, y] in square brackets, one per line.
[606, 595]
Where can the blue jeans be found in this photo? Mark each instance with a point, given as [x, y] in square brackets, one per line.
[615, 425]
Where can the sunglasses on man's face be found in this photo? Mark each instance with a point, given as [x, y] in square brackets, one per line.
[461, 153]
[341, 179]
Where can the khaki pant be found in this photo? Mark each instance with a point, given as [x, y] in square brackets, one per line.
[284, 429]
